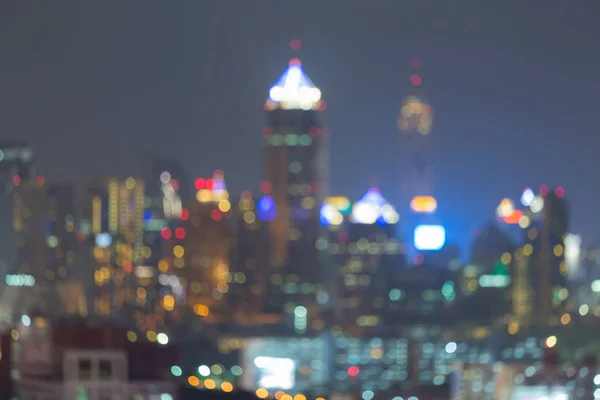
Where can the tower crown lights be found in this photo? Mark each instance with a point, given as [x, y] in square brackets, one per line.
[295, 90]
[373, 208]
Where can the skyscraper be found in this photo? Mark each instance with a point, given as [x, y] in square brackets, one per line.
[198, 253]
[16, 167]
[416, 189]
[540, 291]
[113, 224]
[367, 257]
[296, 171]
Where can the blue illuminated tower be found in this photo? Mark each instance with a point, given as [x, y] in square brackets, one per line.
[296, 172]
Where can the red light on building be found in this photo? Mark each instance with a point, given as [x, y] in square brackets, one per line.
[165, 233]
[322, 105]
[559, 192]
[199, 183]
[216, 215]
[513, 218]
[128, 267]
[415, 62]
[16, 180]
[175, 184]
[295, 61]
[353, 371]
[40, 180]
[415, 80]
[265, 187]
[180, 233]
[184, 214]
[418, 259]
[267, 131]
[313, 131]
[210, 184]
[343, 237]
[295, 44]
[544, 190]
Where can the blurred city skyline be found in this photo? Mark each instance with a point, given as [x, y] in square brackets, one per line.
[512, 93]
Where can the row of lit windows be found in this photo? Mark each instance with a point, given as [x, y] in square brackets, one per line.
[290, 139]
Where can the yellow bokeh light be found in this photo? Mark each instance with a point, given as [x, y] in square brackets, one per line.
[551, 341]
[204, 195]
[299, 396]
[168, 302]
[130, 183]
[558, 250]
[141, 293]
[224, 205]
[163, 266]
[226, 387]
[524, 221]
[151, 336]
[506, 257]
[528, 249]
[249, 217]
[131, 336]
[262, 393]
[565, 319]
[286, 397]
[178, 251]
[193, 380]
[513, 328]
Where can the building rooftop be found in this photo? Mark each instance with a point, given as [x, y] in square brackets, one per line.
[294, 90]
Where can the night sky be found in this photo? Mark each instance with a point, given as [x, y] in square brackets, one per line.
[514, 85]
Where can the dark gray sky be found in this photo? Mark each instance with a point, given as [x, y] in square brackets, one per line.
[514, 85]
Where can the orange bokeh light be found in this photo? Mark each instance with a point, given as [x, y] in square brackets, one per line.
[513, 218]
[423, 204]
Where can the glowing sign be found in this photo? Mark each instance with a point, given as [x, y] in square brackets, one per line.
[103, 240]
[372, 208]
[20, 280]
[497, 281]
[423, 204]
[276, 373]
[514, 217]
[294, 90]
[341, 203]
[265, 208]
[415, 114]
[505, 209]
[171, 201]
[572, 252]
[430, 237]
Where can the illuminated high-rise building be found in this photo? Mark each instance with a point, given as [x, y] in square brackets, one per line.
[198, 255]
[251, 273]
[30, 229]
[17, 166]
[367, 257]
[114, 226]
[540, 271]
[166, 190]
[417, 177]
[296, 172]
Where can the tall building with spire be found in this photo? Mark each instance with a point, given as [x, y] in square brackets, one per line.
[417, 174]
[296, 180]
